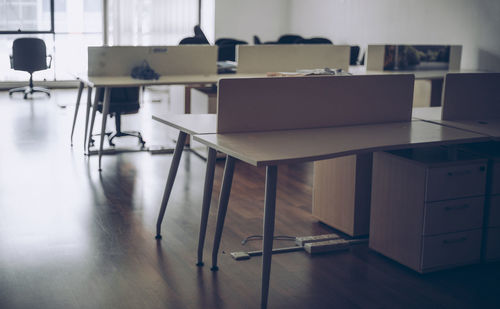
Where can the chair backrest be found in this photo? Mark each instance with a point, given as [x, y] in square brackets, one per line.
[192, 40]
[200, 34]
[123, 100]
[256, 40]
[29, 54]
[288, 39]
[354, 55]
[227, 48]
[314, 41]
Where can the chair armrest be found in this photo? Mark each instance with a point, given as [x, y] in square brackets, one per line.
[50, 62]
[11, 62]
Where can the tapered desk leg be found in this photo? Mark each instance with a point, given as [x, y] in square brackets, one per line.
[94, 111]
[207, 197]
[225, 191]
[78, 97]
[269, 211]
[105, 111]
[179, 146]
[87, 112]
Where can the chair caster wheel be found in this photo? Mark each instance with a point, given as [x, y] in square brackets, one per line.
[200, 264]
[158, 236]
[214, 268]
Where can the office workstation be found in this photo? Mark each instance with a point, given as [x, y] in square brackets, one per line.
[372, 195]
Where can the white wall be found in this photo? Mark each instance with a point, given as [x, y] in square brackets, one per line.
[242, 19]
[475, 24]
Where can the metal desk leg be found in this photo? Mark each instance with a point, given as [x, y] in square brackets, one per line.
[179, 146]
[207, 197]
[269, 211]
[78, 97]
[94, 111]
[225, 191]
[87, 112]
[105, 111]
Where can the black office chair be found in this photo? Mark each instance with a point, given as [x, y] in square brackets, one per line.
[288, 39]
[313, 41]
[227, 48]
[29, 55]
[122, 101]
[192, 40]
[354, 55]
[200, 34]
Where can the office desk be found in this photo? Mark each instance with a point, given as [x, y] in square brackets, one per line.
[108, 82]
[273, 148]
[189, 124]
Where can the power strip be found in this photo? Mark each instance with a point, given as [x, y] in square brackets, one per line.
[326, 246]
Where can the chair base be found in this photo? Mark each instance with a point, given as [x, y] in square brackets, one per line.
[127, 133]
[29, 90]
[111, 136]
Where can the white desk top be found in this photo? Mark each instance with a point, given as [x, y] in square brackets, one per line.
[489, 127]
[419, 74]
[190, 123]
[127, 81]
[289, 146]
[427, 113]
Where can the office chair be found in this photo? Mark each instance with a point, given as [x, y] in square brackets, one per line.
[354, 55]
[122, 101]
[29, 55]
[313, 41]
[288, 39]
[227, 48]
[200, 34]
[192, 40]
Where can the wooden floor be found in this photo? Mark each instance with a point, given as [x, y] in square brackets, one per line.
[71, 237]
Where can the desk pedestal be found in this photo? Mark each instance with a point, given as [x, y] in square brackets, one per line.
[341, 193]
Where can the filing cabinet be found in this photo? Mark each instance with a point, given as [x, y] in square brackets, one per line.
[491, 232]
[427, 207]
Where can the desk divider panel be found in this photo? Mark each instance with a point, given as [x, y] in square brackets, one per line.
[291, 57]
[376, 57]
[471, 96]
[282, 103]
[165, 60]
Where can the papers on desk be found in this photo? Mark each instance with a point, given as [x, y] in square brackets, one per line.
[311, 72]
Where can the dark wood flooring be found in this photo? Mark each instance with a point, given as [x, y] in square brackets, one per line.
[71, 237]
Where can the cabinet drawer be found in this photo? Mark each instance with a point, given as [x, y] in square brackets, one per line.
[494, 211]
[451, 249]
[455, 182]
[492, 244]
[453, 215]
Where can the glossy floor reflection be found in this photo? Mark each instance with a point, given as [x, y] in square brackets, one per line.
[71, 237]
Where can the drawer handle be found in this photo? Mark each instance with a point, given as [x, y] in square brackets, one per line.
[458, 207]
[459, 173]
[454, 241]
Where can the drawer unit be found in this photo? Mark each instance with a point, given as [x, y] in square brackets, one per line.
[427, 207]
[491, 233]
